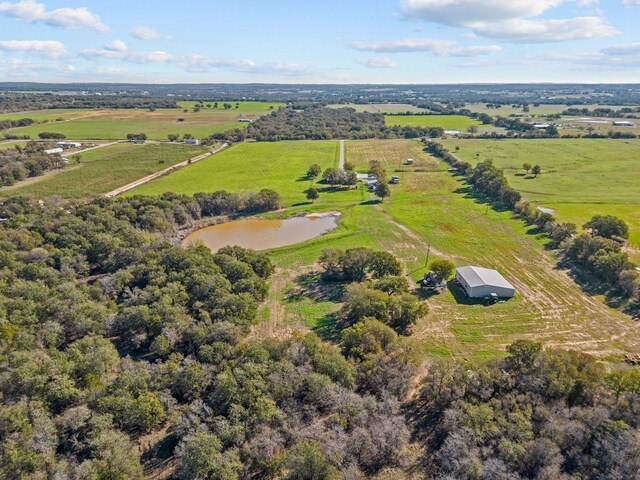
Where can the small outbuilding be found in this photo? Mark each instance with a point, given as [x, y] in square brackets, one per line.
[479, 282]
[622, 124]
[53, 151]
[191, 141]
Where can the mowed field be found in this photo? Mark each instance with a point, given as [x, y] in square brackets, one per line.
[428, 209]
[49, 115]
[448, 122]
[580, 178]
[542, 109]
[105, 169]
[249, 167]
[115, 124]
[381, 107]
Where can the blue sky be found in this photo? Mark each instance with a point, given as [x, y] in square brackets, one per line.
[313, 41]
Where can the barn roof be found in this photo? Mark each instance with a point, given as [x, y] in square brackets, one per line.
[478, 276]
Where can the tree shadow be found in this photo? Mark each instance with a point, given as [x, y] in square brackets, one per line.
[329, 328]
[371, 202]
[304, 178]
[334, 189]
[300, 204]
[312, 286]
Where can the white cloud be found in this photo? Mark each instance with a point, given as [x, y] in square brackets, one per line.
[631, 3]
[445, 48]
[32, 12]
[116, 46]
[146, 33]
[377, 62]
[544, 31]
[404, 45]
[44, 48]
[133, 57]
[626, 49]
[509, 21]
[462, 12]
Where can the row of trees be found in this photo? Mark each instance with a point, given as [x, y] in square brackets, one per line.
[599, 251]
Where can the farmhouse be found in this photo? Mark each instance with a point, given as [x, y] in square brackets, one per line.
[479, 282]
[622, 124]
[53, 151]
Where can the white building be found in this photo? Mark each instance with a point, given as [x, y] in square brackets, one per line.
[479, 282]
[53, 151]
[191, 141]
[69, 144]
[622, 124]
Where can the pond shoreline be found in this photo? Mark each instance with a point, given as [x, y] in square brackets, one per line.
[268, 233]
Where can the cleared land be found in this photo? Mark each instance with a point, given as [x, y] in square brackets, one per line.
[115, 124]
[428, 207]
[543, 109]
[381, 107]
[48, 115]
[104, 169]
[393, 155]
[281, 166]
[580, 178]
[448, 122]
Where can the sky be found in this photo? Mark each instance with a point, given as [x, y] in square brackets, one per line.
[320, 41]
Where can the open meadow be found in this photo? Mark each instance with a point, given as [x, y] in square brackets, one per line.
[580, 177]
[115, 124]
[249, 167]
[380, 107]
[448, 122]
[428, 211]
[104, 169]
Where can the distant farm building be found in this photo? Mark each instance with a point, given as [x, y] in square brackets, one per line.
[452, 132]
[480, 282]
[69, 144]
[409, 161]
[395, 179]
[191, 141]
[53, 151]
[541, 125]
[245, 120]
[623, 124]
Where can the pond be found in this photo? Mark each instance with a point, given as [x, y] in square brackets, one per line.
[261, 234]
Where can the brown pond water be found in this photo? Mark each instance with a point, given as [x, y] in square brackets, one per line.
[261, 234]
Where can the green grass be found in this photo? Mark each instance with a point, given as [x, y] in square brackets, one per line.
[47, 115]
[116, 124]
[580, 178]
[380, 107]
[448, 122]
[280, 166]
[105, 169]
[427, 210]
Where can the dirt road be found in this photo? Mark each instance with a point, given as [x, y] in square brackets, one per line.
[166, 171]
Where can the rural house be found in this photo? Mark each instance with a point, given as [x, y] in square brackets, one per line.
[479, 282]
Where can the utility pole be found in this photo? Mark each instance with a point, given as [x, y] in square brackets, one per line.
[426, 262]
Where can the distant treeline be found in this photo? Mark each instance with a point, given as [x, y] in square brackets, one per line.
[20, 102]
[315, 122]
[625, 112]
[599, 251]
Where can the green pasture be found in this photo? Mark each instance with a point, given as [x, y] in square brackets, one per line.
[580, 177]
[48, 115]
[105, 169]
[448, 122]
[115, 124]
[380, 107]
[249, 167]
[429, 211]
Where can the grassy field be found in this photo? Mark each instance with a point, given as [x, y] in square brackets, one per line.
[105, 169]
[47, 115]
[428, 209]
[393, 155]
[543, 109]
[381, 107]
[580, 178]
[448, 122]
[116, 124]
[281, 166]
